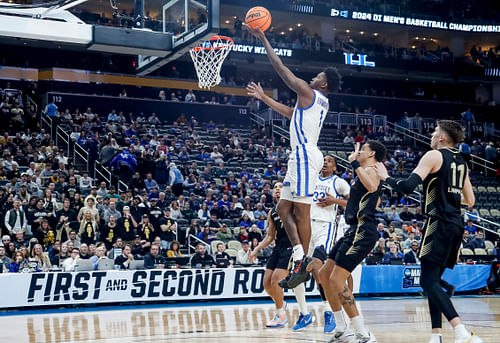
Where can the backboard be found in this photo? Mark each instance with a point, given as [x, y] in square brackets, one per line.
[188, 22]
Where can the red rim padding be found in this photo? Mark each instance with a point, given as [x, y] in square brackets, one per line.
[227, 45]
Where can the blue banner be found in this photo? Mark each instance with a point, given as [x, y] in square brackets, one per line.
[406, 279]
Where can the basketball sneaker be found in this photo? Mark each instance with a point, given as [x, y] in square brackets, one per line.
[329, 322]
[304, 321]
[278, 321]
[365, 339]
[346, 336]
[283, 283]
[472, 339]
[300, 271]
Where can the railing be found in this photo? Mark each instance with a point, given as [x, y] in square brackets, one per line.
[32, 102]
[63, 138]
[122, 186]
[257, 119]
[101, 172]
[279, 131]
[417, 137]
[46, 123]
[197, 241]
[487, 229]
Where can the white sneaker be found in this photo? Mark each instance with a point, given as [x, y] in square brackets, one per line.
[473, 339]
[365, 339]
[346, 336]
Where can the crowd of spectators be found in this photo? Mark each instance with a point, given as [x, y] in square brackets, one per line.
[188, 182]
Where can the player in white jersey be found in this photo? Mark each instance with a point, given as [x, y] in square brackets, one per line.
[305, 160]
[330, 192]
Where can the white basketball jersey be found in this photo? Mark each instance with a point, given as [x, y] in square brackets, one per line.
[333, 185]
[306, 123]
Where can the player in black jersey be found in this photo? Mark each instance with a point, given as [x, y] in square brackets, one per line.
[446, 186]
[277, 269]
[357, 242]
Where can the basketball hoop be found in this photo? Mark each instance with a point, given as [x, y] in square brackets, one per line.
[208, 58]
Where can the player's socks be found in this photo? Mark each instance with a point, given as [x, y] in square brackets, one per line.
[298, 252]
[300, 295]
[340, 320]
[359, 326]
[281, 310]
[436, 338]
[461, 333]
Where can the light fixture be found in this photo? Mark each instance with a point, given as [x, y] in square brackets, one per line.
[347, 31]
[290, 29]
[424, 38]
[375, 34]
[235, 17]
[299, 24]
[417, 38]
[282, 32]
[413, 46]
[362, 33]
[227, 21]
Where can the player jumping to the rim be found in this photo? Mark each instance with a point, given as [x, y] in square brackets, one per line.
[305, 160]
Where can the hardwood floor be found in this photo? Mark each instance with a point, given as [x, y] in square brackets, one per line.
[399, 320]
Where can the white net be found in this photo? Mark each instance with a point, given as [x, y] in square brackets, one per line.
[208, 59]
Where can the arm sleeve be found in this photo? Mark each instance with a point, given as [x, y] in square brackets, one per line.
[405, 186]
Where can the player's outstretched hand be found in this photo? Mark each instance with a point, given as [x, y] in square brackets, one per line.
[252, 256]
[355, 153]
[256, 32]
[326, 201]
[255, 90]
[381, 171]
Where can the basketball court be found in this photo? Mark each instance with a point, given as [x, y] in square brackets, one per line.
[401, 320]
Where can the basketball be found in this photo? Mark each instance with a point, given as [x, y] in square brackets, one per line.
[258, 17]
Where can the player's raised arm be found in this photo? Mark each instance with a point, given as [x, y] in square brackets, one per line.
[368, 177]
[271, 236]
[299, 86]
[255, 90]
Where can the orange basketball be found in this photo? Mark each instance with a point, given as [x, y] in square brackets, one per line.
[258, 17]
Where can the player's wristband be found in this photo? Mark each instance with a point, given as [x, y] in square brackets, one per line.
[355, 164]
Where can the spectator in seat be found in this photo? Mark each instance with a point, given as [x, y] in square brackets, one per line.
[245, 221]
[411, 257]
[466, 240]
[149, 182]
[478, 241]
[379, 248]
[146, 230]
[405, 214]
[470, 227]
[254, 233]
[74, 239]
[224, 234]
[43, 261]
[471, 214]
[244, 254]
[85, 252]
[69, 264]
[409, 240]
[20, 241]
[415, 228]
[17, 261]
[242, 235]
[393, 215]
[419, 215]
[100, 254]
[407, 201]
[154, 259]
[201, 258]
[213, 222]
[393, 236]
[382, 232]
[220, 253]
[4, 259]
[393, 253]
[207, 235]
[174, 250]
[124, 259]
[204, 212]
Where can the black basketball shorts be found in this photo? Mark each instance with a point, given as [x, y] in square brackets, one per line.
[441, 242]
[280, 258]
[353, 248]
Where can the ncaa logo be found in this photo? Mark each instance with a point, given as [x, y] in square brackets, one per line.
[407, 272]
